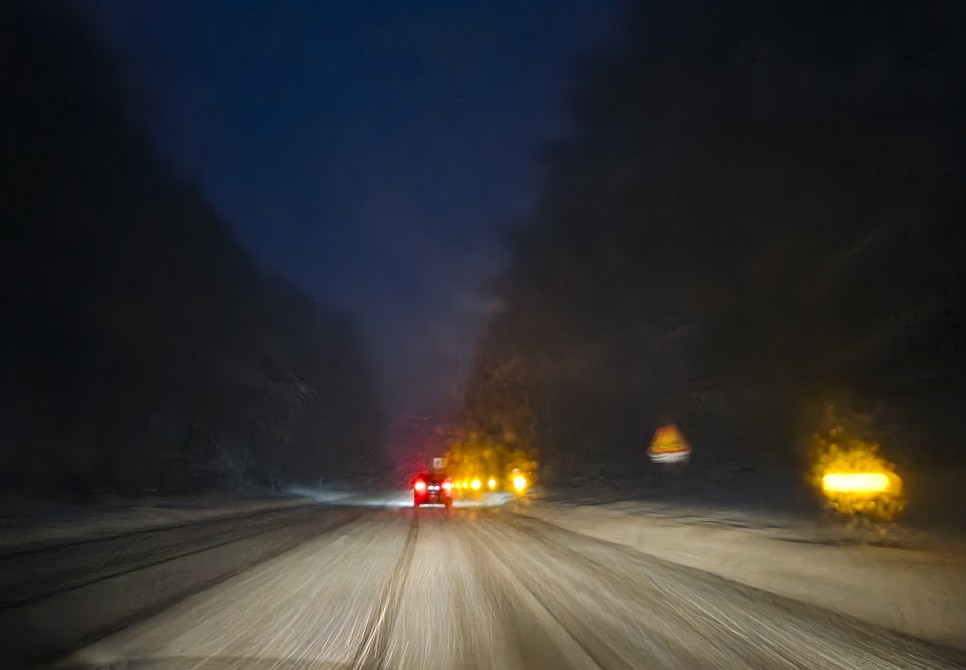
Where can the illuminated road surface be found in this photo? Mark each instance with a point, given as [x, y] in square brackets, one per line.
[486, 588]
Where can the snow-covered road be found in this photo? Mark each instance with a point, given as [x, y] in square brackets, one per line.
[489, 588]
[897, 577]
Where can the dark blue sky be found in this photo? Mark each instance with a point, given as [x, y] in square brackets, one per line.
[365, 149]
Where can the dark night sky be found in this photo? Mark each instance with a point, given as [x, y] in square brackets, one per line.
[365, 149]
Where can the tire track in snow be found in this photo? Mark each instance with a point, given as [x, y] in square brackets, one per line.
[373, 652]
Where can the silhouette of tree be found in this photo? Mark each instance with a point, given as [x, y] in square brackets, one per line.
[142, 346]
[759, 212]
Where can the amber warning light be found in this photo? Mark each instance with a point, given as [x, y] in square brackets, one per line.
[855, 482]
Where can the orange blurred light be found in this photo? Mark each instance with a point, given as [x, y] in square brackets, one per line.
[855, 482]
[854, 478]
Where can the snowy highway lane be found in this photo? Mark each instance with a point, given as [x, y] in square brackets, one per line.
[487, 588]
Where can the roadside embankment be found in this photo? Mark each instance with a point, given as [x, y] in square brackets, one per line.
[909, 581]
[60, 588]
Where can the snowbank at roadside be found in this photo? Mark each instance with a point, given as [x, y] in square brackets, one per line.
[909, 581]
[30, 523]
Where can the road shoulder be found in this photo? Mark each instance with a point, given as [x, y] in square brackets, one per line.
[913, 587]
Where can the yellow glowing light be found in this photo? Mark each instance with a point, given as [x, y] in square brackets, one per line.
[520, 482]
[855, 482]
[458, 485]
[475, 484]
[854, 478]
[491, 484]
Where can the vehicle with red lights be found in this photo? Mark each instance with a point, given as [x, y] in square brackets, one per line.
[432, 489]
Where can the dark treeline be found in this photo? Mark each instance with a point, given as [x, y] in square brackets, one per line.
[759, 216]
[141, 346]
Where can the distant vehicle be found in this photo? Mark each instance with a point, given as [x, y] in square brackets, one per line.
[471, 487]
[432, 489]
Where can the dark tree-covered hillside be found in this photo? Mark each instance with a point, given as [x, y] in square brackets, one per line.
[141, 346]
[759, 215]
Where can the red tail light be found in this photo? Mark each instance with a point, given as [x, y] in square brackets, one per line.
[419, 486]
